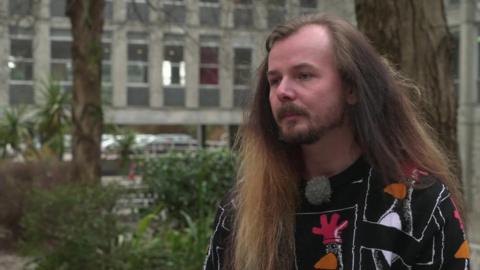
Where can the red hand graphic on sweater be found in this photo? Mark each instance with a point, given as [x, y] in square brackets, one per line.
[330, 231]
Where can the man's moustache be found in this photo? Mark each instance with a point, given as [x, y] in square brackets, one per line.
[289, 109]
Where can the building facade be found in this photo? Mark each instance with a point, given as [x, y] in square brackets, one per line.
[165, 63]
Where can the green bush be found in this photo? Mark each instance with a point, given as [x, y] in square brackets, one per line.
[73, 227]
[186, 248]
[188, 186]
[169, 249]
[190, 182]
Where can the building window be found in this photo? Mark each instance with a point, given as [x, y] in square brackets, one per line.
[276, 3]
[20, 64]
[243, 14]
[242, 63]
[455, 61]
[61, 60]
[173, 70]
[61, 66]
[108, 10]
[210, 12]
[209, 65]
[138, 63]
[137, 70]
[454, 2]
[137, 10]
[308, 3]
[173, 66]
[242, 75]
[58, 8]
[478, 63]
[106, 68]
[21, 59]
[308, 6]
[20, 7]
[174, 11]
[106, 62]
[276, 12]
[209, 79]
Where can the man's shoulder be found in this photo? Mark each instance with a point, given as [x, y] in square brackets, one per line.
[417, 186]
[429, 187]
[226, 210]
[228, 201]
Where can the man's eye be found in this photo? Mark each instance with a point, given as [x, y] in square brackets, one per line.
[304, 76]
[273, 82]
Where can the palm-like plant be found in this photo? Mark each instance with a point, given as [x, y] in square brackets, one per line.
[124, 144]
[53, 117]
[15, 132]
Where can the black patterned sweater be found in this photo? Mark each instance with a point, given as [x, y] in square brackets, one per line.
[368, 224]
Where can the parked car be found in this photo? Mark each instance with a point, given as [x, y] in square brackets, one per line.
[171, 141]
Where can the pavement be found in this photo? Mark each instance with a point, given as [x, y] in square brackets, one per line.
[11, 262]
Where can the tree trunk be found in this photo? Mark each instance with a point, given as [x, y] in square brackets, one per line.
[414, 36]
[86, 17]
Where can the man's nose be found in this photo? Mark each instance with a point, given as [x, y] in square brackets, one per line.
[286, 90]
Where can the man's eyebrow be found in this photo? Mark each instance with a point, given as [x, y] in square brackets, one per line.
[303, 65]
[295, 67]
[272, 72]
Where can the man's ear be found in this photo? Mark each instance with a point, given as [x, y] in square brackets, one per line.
[351, 96]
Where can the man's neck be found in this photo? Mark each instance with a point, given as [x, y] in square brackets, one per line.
[332, 154]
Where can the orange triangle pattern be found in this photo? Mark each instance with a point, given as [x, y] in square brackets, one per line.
[463, 251]
[397, 190]
[327, 262]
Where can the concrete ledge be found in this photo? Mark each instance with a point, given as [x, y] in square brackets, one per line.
[176, 116]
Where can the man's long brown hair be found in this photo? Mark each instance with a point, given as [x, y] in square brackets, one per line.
[386, 126]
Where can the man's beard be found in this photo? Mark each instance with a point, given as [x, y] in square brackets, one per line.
[316, 128]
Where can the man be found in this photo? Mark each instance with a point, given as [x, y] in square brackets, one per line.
[337, 170]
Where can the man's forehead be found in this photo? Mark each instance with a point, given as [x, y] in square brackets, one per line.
[314, 34]
[303, 48]
[299, 66]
